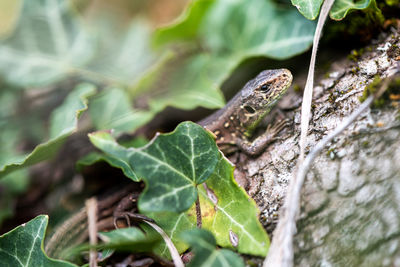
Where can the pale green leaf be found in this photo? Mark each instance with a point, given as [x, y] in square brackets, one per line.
[48, 42]
[23, 246]
[112, 109]
[341, 7]
[277, 32]
[205, 252]
[64, 121]
[308, 8]
[185, 27]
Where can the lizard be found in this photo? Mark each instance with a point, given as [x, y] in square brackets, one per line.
[233, 127]
[235, 124]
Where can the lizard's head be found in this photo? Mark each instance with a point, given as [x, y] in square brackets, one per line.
[261, 94]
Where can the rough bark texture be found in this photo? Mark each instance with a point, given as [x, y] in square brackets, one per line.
[350, 209]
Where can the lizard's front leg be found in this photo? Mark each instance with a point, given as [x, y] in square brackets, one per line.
[259, 144]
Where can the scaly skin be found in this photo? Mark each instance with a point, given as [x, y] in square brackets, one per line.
[234, 124]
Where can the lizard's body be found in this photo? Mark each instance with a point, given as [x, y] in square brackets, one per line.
[232, 125]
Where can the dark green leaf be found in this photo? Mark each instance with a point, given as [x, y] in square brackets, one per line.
[23, 246]
[205, 251]
[129, 239]
[172, 165]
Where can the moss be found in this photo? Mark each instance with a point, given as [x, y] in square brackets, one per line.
[371, 88]
[392, 93]
[354, 70]
[365, 144]
[356, 54]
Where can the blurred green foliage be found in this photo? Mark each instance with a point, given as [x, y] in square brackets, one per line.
[53, 46]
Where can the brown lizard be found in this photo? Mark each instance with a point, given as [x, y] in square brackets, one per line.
[235, 124]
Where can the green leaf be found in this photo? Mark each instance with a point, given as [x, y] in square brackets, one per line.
[194, 83]
[236, 214]
[172, 165]
[64, 119]
[64, 122]
[11, 186]
[129, 239]
[205, 251]
[278, 33]
[308, 8]
[341, 7]
[186, 27]
[48, 42]
[112, 110]
[230, 28]
[227, 211]
[116, 162]
[122, 56]
[23, 246]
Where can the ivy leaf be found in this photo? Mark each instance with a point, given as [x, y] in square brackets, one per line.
[112, 109]
[308, 8]
[130, 239]
[195, 79]
[341, 7]
[23, 246]
[48, 42]
[205, 251]
[187, 26]
[285, 33]
[64, 122]
[279, 33]
[172, 165]
[114, 161]
[227, 211]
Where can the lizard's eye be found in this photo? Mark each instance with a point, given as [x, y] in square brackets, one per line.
[249, 109]
[264, 88]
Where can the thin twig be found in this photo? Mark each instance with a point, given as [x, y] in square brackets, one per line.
[308, 90]
[198, 213]
[91, 209]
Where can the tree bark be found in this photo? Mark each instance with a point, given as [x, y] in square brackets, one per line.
[350, 207]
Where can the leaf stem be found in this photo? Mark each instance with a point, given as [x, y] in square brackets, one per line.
[198, 212]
